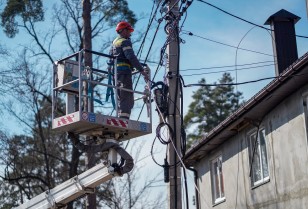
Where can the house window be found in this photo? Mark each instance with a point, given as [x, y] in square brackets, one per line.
[217, 180]
[305, 102]
[258, 158]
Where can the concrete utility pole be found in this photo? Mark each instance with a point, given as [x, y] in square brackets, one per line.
[174, 117]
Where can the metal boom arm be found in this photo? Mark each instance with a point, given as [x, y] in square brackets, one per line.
[70, 190]
[85, 182]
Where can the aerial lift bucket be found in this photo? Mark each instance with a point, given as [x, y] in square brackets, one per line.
[70, 76]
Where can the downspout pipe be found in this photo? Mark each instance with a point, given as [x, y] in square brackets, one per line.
[196, 184]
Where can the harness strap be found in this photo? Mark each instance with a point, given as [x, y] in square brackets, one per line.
[123, 64]
[110, 92]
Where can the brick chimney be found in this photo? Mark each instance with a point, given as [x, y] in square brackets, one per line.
[284, 39]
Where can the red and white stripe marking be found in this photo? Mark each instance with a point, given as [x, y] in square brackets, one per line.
[117, 122]
[65, 120]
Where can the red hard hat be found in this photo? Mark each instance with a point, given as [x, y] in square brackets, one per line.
[123, 25]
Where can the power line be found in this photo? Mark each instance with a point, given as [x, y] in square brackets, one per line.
[221, 71]
[170, 9]
[153, 39]
[241, 83]
[191, 34]
[148, 28]
[228, 13]
[230, 84]
[226, 66]
[141, 48]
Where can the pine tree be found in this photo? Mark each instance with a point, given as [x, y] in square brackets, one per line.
[210, 106]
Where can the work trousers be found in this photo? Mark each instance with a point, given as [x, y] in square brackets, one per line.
[125, 98]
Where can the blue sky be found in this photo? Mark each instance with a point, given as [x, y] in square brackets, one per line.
[210, 23]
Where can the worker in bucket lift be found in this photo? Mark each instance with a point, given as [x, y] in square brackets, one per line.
[126, 60]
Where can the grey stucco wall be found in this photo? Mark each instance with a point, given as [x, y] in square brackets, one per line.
[287, 151]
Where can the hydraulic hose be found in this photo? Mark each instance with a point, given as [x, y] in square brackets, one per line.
[129, 161]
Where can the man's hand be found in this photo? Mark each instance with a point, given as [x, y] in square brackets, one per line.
[145, 76]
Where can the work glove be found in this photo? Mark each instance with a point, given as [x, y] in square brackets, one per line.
[145, 75]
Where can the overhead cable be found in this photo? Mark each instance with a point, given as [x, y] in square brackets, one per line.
[183, 164]
[225, 66]
[158, 135]
[145, 60]
[228, 13]
[148, 28]
[221, 71]
[191, 34]
[141, 48]
[230, 84]
[170, 9]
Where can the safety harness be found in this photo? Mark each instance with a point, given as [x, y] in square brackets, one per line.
[122, 64]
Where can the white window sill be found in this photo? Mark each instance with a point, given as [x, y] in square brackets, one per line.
[261, 182]
[219, 201]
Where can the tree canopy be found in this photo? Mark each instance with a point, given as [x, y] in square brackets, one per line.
[31, 10]
[210, 106]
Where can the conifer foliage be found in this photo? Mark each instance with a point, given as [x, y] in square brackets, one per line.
[210, 106]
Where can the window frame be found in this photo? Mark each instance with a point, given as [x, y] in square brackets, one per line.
[262, 155]
[217, 171]
[305, 105]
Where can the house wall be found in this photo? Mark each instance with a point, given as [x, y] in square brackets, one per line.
[287, 152]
